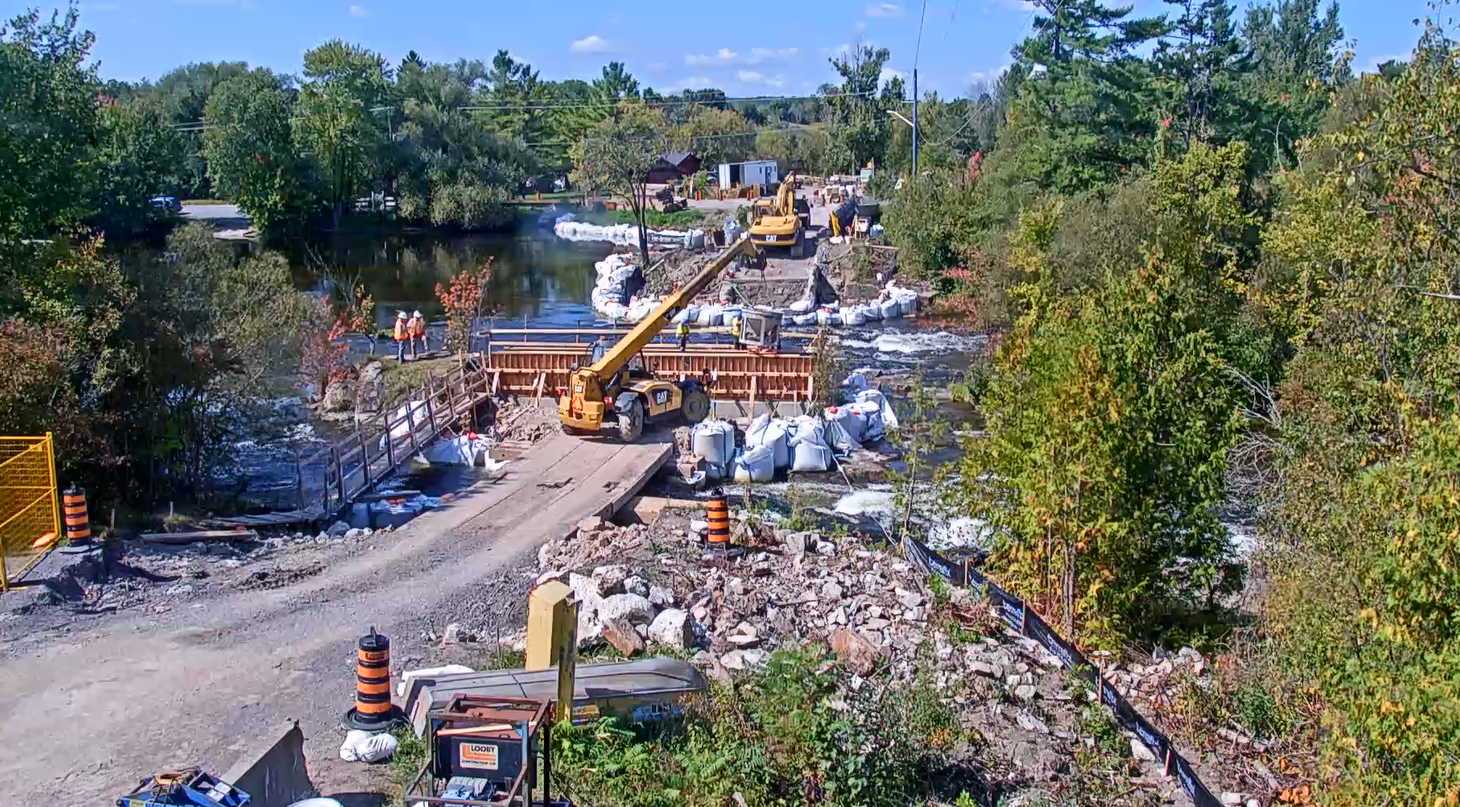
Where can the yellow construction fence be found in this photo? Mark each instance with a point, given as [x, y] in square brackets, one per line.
[30, 516]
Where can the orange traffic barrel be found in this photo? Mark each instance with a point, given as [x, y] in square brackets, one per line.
[373, 710]
[73, 510]
[717, 513]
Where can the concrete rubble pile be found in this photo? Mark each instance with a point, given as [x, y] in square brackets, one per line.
[642, 588]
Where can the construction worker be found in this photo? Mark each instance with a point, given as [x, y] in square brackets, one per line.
[402, 334]
[418, 331]
[735, 331]
[682, 331]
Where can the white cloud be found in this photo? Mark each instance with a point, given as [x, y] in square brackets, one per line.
[884, 10]
[721, 56]
[978, 77]
[593, 43]
[1374, 63]
[357, 10]
[756, 77]
[697, 59]
[725, 55]
[760, 55]
[860, 27]
[889, 74]
[692, 83]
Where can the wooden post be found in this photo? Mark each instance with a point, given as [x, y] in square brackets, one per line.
[339, 472]
[411, 424]
[299, 474]
[496, 381]
[389, 446]
[366, 476]
[752, 396]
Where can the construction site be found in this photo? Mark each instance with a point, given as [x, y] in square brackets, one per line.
[646, 510]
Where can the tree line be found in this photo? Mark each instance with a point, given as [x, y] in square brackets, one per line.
[1224, 271]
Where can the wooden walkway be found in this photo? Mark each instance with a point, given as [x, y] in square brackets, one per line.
[332, 479]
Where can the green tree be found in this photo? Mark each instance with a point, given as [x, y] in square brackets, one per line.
[714, 135]
[615, 157]
[139, 156]
[1084, 115]
[252, 158]
[860, 125]
[345, 90]
[48, 101]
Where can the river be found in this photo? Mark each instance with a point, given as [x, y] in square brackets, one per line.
[544, 282]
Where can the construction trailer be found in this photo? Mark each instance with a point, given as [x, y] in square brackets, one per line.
[757, 172]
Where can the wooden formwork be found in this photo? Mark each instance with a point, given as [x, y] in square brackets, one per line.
[740, 375]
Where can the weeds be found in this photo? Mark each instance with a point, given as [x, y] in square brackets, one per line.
[502, 657]
[785, 735]
[406, 762]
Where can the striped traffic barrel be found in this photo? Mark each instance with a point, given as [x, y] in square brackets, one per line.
[73, 512]
[373, 710]
[717, 513]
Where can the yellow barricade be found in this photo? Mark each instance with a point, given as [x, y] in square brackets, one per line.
[30, 518]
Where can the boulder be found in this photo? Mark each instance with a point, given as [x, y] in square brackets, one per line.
[855, 650]
[799, 543]
[673, 628]
[622, 636]
[370, 388]
[637, 585]
[590, 524]
[590, 629]
[662, 597]
[611, 578]
[338, 529]
[1139, 750]
[630, 607]
[339, 396]
[587, 591]
[739, 660]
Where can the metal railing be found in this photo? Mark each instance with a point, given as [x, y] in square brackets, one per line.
[30, 516]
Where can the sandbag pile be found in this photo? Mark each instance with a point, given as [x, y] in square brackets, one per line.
[627, 234]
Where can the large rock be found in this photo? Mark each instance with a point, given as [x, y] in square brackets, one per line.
[622, 636]
[673, 628]
[856, 651]
[662, 597]
[630, 607]
[370, 389]
[744, 659]
[339, 396]
[611, 578]
[634, 584]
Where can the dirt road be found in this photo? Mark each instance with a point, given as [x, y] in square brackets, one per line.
[88, 710]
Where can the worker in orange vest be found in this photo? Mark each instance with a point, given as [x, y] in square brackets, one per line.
[402, 335]
[417, 328]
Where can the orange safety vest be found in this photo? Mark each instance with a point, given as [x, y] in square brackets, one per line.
[418, 326]
[400, 330]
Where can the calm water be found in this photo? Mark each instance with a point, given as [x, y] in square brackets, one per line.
[534, 275]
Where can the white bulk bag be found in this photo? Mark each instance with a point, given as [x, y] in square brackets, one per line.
[811, 458]
[908, 304]
[889, 415]
[854, 316]
[714, 440]
[770, 433]
[852, 422]
[802, 306]
[871, 415]
[872, 313]
[890, 309]
[805, 319]
[755, 464]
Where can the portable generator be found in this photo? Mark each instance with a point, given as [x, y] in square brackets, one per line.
[188, 788]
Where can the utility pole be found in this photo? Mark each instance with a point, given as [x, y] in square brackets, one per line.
[915, 124]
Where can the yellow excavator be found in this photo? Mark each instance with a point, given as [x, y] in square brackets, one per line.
[619, 390]
[783, 221]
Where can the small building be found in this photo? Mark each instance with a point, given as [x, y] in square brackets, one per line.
[673, 165]
[756, 172]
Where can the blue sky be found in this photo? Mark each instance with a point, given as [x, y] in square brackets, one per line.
[768, 48]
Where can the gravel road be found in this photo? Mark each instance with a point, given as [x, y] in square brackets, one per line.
[90, 707]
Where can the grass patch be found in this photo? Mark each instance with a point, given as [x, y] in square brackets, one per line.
[503, 658]
[406, 762]
[782, 736]
[401, 378]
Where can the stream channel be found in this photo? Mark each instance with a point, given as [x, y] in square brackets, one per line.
[541, 281]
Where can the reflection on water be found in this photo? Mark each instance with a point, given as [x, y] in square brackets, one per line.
[537, 276]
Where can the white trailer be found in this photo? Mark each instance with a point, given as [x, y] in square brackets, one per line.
[757, 172]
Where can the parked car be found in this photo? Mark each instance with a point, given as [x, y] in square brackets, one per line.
[168, 203]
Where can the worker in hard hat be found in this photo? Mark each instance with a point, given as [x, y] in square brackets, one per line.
[735, 331]
[682, 331]
[417, 328]
[402, 334]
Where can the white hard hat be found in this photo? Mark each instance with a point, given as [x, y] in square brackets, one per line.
[400, 315]
[416, 314]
